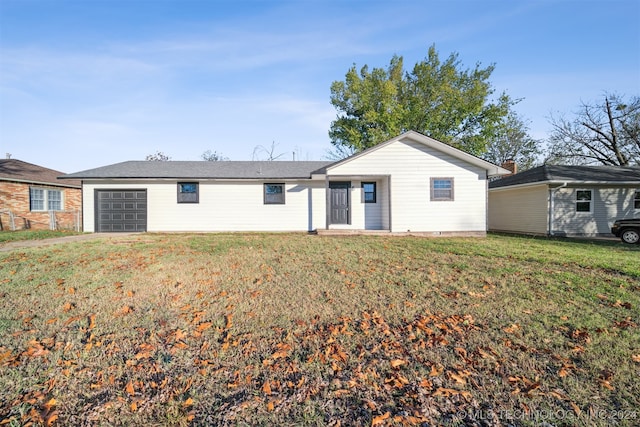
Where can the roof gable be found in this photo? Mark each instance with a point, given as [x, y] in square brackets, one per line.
[491, 169]
[17, 170]
[566, 173]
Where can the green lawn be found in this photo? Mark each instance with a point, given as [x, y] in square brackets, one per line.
[292, 329]
[12, 236]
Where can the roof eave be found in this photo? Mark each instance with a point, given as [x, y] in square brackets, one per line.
[192, 178]
[28, 181]
[516, 186]
[566, 181]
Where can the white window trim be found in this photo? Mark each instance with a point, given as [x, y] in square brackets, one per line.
[576, 201]
[45, 204]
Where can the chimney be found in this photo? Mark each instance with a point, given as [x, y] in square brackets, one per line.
[510, 165]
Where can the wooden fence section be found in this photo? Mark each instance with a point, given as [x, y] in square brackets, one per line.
[55, 220]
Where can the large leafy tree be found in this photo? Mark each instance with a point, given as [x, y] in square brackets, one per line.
[512, 142]
[605, 133]
[437, 98]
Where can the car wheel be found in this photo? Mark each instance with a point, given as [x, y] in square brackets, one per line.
[630, 236]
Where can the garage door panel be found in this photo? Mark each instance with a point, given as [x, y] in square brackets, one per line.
[121, 210]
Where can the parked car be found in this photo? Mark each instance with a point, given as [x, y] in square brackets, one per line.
[628, 230]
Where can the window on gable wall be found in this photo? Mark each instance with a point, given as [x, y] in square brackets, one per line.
[441, 189]
[583, 200]
[636, 200]
[43, 199]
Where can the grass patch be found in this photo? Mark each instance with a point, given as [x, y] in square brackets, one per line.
[12, 236]
[290, 329]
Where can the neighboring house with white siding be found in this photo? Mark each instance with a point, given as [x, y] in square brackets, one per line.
[411, 183]
[564, 200]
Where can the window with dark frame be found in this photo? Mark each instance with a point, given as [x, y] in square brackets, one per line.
[369, 192]
[583, 200]
[636, 200]
[188, 192]
[274, 194]
[441, 189]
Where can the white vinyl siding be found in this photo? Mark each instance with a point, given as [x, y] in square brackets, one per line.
[376, 214]
[607, 205]
[519, 210]
[223, 206]
[410, 166]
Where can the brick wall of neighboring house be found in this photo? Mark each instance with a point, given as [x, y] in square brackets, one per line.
[14, 197]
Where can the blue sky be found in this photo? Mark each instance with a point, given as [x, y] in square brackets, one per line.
[89, 83]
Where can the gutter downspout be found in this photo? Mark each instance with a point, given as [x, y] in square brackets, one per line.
[552, 192]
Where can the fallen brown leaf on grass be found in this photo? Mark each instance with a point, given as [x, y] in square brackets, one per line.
[129, 389]
[397, 363]
[377, 420]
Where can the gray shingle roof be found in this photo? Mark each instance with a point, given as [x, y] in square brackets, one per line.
[17, 170]
[204, 170]
[545, 173]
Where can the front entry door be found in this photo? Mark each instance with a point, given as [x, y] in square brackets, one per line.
[339, 202]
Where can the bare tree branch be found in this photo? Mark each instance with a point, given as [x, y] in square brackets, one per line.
[607, 133]
[270, 152]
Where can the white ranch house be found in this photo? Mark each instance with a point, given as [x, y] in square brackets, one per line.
[411, 183]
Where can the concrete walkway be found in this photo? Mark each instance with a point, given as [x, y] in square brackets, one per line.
[20, 244]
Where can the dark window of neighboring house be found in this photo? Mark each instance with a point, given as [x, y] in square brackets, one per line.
[369, 192]
[41, 199]
[636, 200]
[583, 201]
[274, 194]
[442, 189]
[187, 192]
